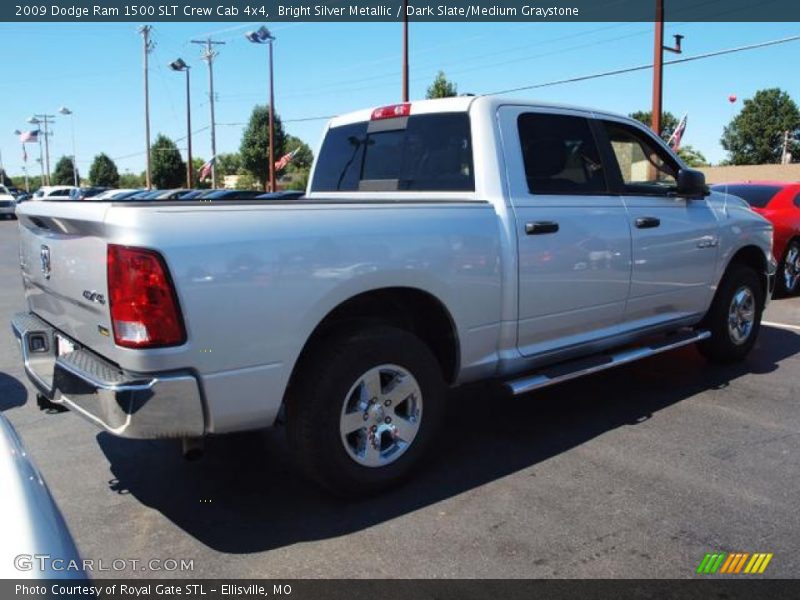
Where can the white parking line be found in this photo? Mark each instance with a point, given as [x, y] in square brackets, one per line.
[781, 325]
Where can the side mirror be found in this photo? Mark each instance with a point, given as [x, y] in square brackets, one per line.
[691, 183]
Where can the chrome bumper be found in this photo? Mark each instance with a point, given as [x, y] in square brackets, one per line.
[160, 405]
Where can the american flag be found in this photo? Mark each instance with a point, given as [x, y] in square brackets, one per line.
[205, 170]
[677, 135]
[285, 159]
[29, 136]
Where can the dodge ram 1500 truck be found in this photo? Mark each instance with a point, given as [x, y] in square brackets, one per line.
[440, 242]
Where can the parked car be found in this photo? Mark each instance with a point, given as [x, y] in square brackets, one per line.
[283, 195]
[32, 524]
[118, 194]
[228, 195]
[8, 203]
[54, 192]
[441, 242]
[83, 193]
[779, 202]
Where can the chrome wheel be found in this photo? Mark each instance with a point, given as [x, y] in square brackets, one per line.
[791, 268]
[381, 415]
[741, 315]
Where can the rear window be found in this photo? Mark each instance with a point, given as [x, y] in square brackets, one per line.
[757, 196]
[418, 153]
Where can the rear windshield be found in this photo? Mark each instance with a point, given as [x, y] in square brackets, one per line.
[757, 196]
[418, 153]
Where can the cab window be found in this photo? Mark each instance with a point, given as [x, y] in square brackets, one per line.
[560, 155]
[644, 166]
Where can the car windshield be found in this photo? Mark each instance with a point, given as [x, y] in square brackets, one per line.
[757, 196]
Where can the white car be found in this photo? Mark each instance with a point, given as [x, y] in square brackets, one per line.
[54, 192]
[8, 204]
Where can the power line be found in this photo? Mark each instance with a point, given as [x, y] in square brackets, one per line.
[645, 67]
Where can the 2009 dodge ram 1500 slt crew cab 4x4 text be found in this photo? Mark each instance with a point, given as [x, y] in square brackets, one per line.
[440, 242]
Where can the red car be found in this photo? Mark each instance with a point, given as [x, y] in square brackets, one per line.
[778, 201]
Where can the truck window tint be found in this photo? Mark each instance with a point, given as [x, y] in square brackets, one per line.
[431, 153]
[560, 155]
[645, 166]
[757, 196]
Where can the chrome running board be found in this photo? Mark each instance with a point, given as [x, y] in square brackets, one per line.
[600, 362]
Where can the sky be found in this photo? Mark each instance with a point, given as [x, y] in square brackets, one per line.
[323, 69]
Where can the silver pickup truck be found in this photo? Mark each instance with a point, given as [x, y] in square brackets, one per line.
[440, 242]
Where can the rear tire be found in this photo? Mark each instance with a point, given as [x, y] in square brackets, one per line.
[734, 318]
[789, 270]
[363, 410]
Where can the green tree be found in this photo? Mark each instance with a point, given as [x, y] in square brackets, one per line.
[131, 180]
[668, 121]
[692, 157]
[246, 181]
[167, 168]
[63, 174]
[228, 163]
[254, 148]
[103, 171]
[441, 87]
[755, 136]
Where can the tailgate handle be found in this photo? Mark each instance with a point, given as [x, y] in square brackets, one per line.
[541, 227]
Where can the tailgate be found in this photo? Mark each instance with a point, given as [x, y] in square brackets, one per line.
[63, 261]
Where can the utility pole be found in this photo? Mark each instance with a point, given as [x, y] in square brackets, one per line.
[405, 50]
[658, 66]
[44, 120]
[208, 55]
[148, 48]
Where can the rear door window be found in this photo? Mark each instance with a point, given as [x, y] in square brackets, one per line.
[560, 155]
[417, 153]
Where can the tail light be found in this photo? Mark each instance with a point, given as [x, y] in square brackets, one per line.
[142, 301]
[391, 112]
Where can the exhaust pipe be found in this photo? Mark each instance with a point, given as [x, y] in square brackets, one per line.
[192, 448]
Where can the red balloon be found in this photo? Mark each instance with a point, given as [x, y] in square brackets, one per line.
[732, 98]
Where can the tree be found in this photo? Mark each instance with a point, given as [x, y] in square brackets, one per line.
[246, 181]
[755, 136]
[103, 171]
[441, 87]
[254, 148]
[692, 157]
[228, 163]
[668, 121]
[131, 181]
[167, 169]
[63, 173]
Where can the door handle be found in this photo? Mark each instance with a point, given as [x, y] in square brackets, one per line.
[541, 227]
[647, 222]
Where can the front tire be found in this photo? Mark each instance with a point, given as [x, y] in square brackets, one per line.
[734, 318]
[789, 271]
[364, 408]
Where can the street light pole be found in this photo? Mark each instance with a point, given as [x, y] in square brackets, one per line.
[180, 65]
[65, 111]
[263, 36]
[405, 50]
[209, 54]
[148, 47]
[43, 120]
[658, 66]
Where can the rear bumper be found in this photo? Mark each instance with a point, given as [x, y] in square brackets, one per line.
[152, 405]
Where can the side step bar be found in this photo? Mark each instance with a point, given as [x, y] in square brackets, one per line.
[594, 364]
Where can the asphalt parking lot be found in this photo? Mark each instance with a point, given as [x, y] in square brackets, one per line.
[636, 472]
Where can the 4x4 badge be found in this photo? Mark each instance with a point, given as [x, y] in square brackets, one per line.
[44, 255]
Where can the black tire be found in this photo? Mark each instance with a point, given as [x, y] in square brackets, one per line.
[784, 288]
[322, 387]
[721, 347]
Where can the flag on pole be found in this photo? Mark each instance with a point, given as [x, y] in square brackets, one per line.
[285, 159]
[205, 170]
[675, 139]
[29, 136]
